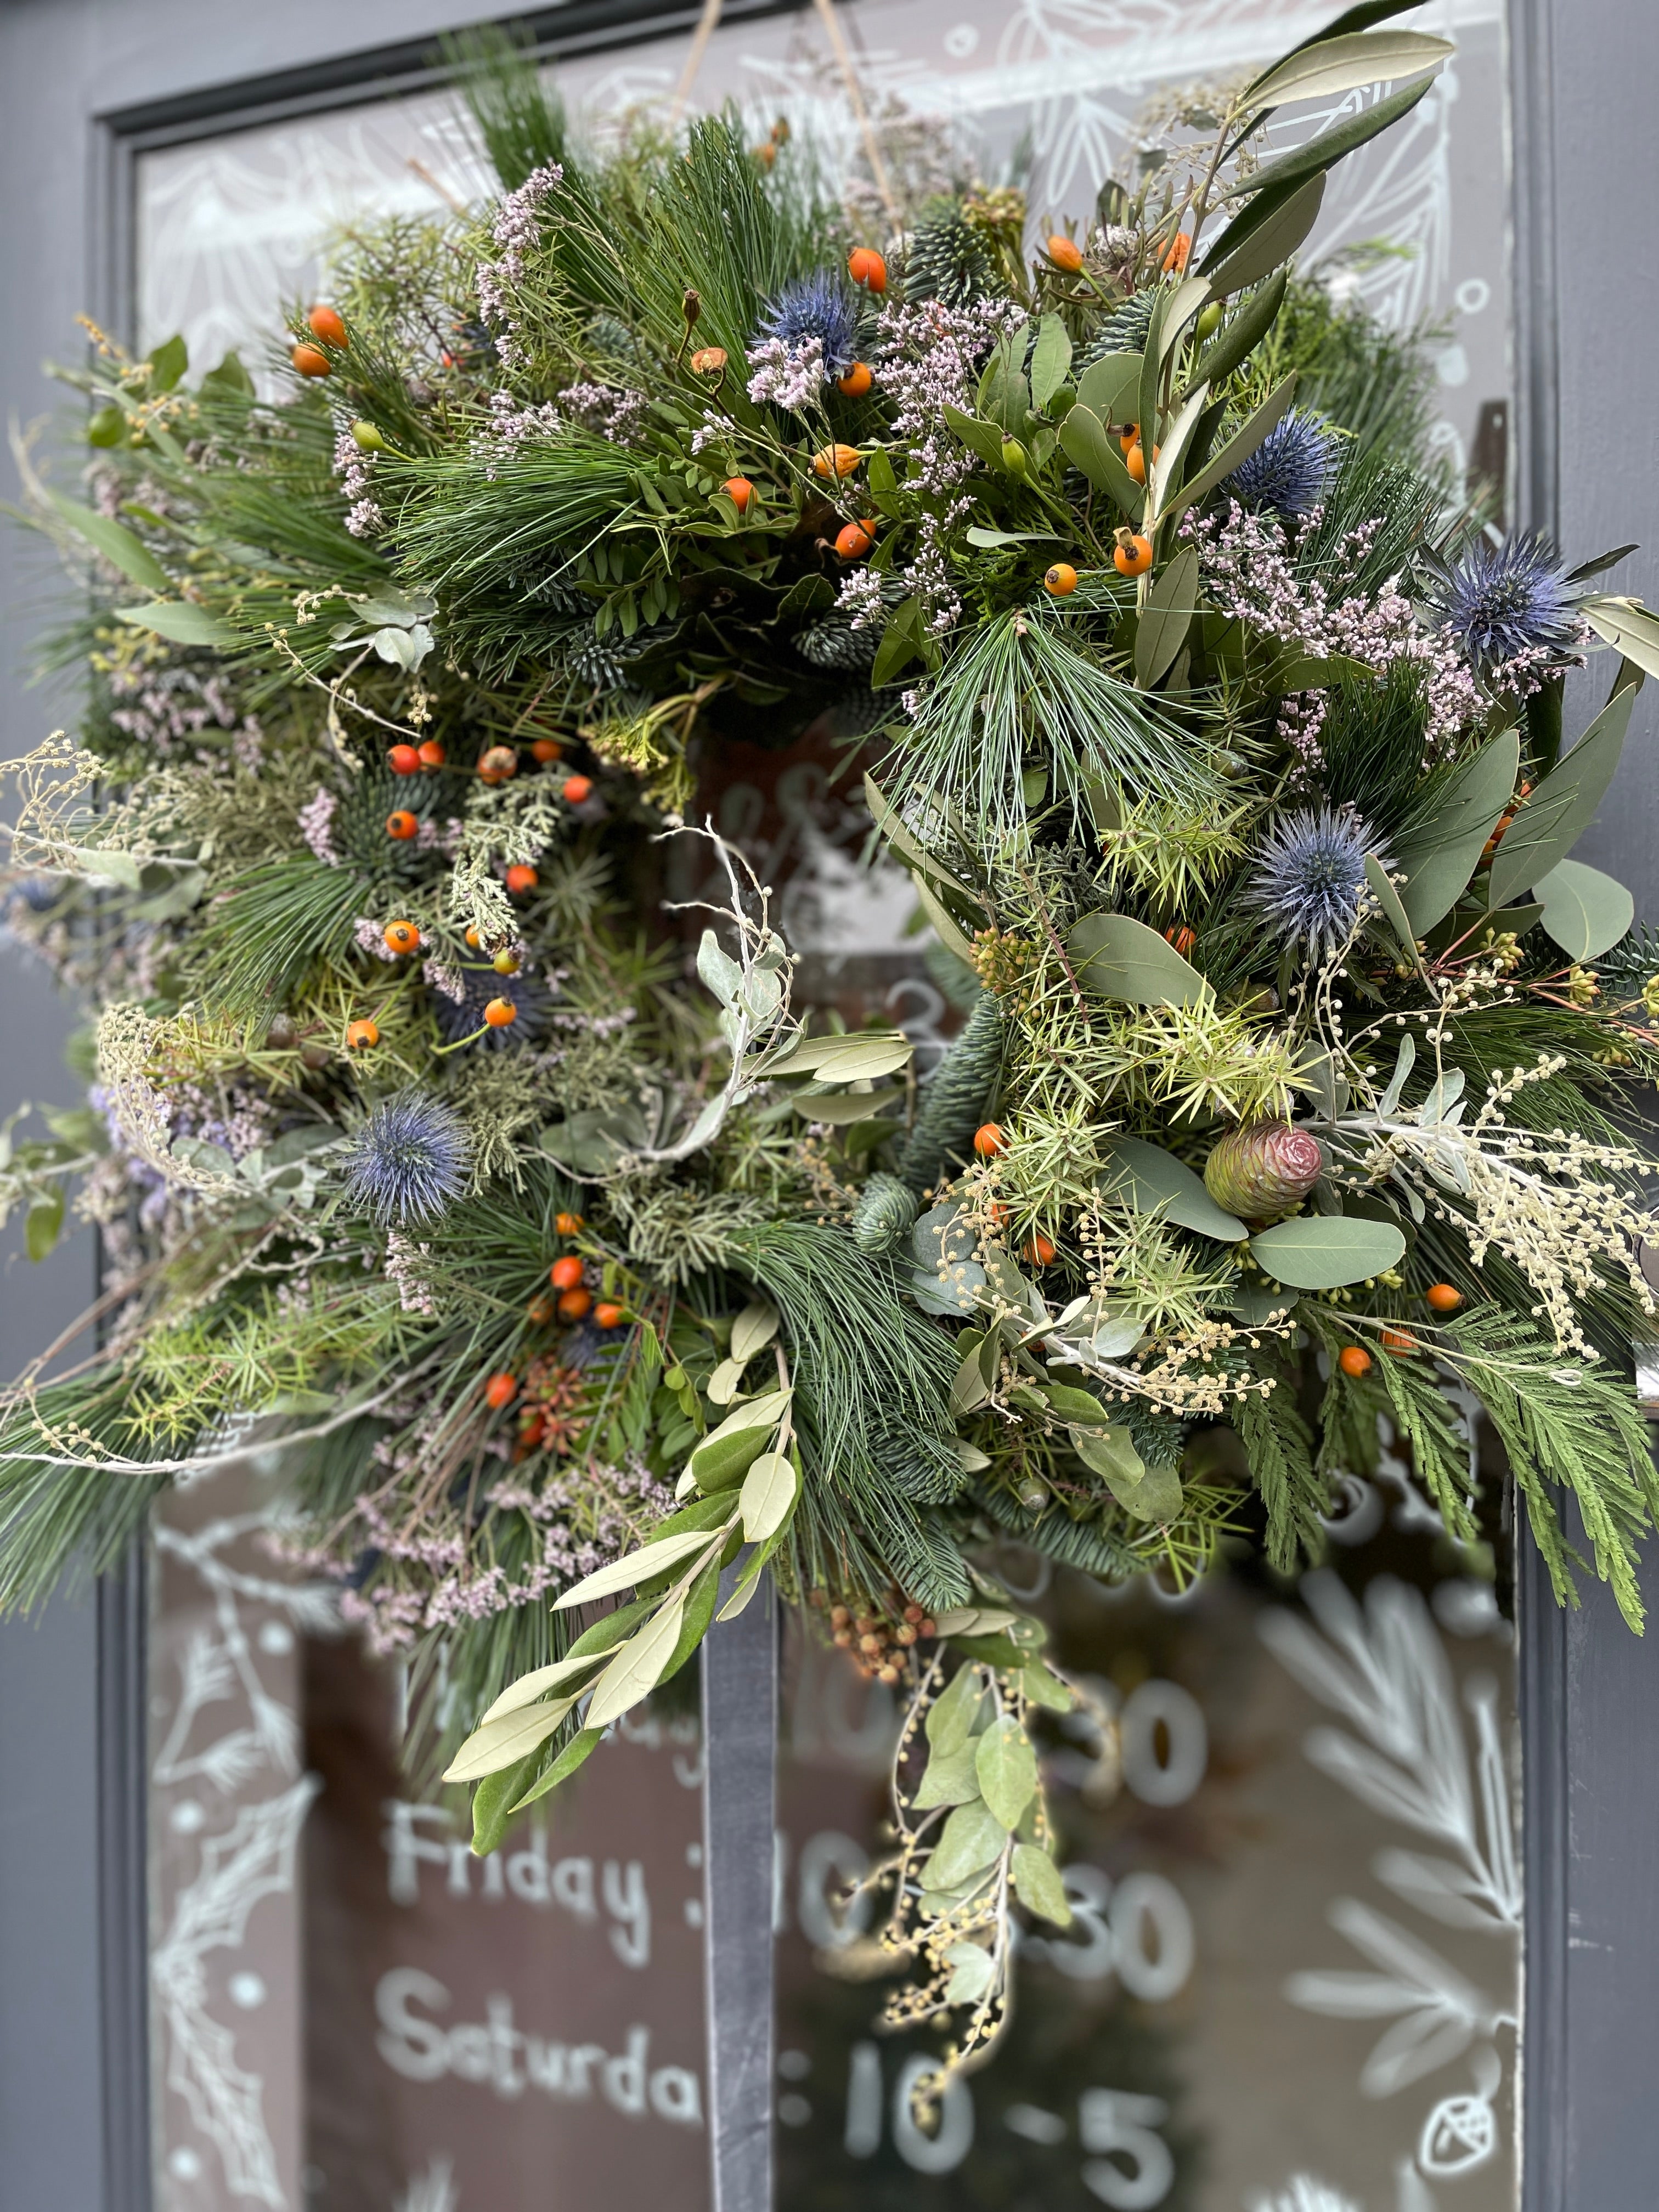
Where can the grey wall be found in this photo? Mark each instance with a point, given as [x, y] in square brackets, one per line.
[1587, 388]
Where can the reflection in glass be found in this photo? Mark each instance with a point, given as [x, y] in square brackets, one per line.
[350, 2011]
[1292, 1981]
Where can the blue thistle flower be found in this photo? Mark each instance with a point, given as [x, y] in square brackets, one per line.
[407, 1160]
[819, 306]
[1310, 875]
[1504, 599]
[1291, 469]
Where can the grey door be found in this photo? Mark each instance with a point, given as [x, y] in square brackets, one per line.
[84, 86]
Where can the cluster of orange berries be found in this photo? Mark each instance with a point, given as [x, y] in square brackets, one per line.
[326, 324]
[496, 764]
[1353, 1358]
[878, 1643]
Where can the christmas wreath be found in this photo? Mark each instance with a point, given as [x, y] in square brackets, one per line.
[527, 1218]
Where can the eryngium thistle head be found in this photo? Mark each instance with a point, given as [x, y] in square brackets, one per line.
[1262, 1171]
[818, 306]
[1502, 601]
[1309, 875]
[407, 1160]
[1291, 469]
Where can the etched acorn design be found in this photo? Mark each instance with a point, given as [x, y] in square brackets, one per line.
[1262, 1171]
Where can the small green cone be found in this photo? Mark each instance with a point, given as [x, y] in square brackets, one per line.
[1261, 1172]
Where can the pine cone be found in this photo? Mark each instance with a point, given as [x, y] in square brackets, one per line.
[1261, 1172]
[884, 1214]
[835, 644]
[947, 261]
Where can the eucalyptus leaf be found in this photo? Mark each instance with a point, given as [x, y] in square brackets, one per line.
[529, 1687]
[502, 1743]
[990, 538]
[861, 1058]
[1438, 856]
[1324, 1252]
[180, 621]
[1117, 957]
[1166, 617]
[1083, 440]
[1243, 333]
[1334, 145]
[1585, 912]
[578, 1748]
[1563, 805]
[980, 436]
[1105, 386]
[753, 1330]
[1387, 899]
[113, 540]
[1237, 450]
[1158, 1181]
[1260, 239]
[1626, 623]
[1051, 359]
[944, 925]
[842, 1108]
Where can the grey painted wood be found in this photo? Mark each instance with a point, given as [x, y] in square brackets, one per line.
[1587, 389]
[740, 1738]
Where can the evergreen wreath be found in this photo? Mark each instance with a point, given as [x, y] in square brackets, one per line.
[560, 1253]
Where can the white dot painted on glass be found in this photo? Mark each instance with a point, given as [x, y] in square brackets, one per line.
[184, 2163]
[248, 1991]
[186, 1817]
[694, 1912]
[276, 1636]
[794, 2065]
[1452, 366]
[795, 2111]
[961, 40]
[1472, 294]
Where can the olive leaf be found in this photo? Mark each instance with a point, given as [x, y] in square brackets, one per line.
[638, 1667]
[504, 1742]
[638, 1567]
[768, 1496]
